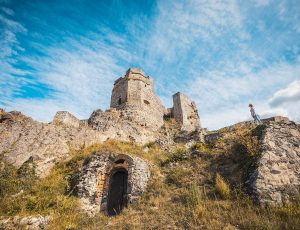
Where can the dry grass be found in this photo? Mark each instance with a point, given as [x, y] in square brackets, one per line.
[183, 193]
[222, 187]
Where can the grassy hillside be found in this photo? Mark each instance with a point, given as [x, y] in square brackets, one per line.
[201, 187]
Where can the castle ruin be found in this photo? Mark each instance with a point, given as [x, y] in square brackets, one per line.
[109, 180]
[135, 92]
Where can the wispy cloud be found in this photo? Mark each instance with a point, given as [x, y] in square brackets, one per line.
[289, 94]
[80, 75]
[228, 92]
[261, 3]
[11, 78]
[180, 25]
[288, 100]
[223, 54]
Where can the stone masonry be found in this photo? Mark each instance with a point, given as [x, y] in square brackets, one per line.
[276, 180]
[185, 112]
[66, 118]
[136, 114]
[93, 186]
[135, 92]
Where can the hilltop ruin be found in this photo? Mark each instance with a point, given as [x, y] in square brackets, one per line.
[136, 114]
[109, 181]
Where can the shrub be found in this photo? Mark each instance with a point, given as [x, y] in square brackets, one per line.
[202, 147]
[9, 183]
[179, 154]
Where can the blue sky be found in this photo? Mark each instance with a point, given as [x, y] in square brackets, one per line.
[65, 55]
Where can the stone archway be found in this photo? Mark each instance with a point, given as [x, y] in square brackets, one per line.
[117, 193]
[109, 182]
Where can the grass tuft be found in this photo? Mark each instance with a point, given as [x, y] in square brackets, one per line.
[222, 187]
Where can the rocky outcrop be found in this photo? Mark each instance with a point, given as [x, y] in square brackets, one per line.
[66, 118]
[276, 180]
[136, 114]
[124, 125]
[29, 222]
[94, 184]
[22, 138]
[185, 112]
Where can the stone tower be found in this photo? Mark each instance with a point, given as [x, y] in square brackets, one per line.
[185, 112]
[135, 92]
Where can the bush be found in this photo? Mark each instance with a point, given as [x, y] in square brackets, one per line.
[9, 183]
[178, 155]
[202, 147]
[14, 180]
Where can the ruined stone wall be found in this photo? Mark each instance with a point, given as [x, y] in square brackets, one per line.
[139, 117]
[93, 186]
[124, 125]
[276, 180]
[135, 91]
[66, 118]
[185, 112]
[119, 94]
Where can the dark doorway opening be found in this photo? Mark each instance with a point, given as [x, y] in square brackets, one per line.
[117, 194]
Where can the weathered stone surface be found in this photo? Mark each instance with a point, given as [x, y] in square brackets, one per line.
[185, 112]
[276, 180]
[136, 114]
[135, 91]
[93, 186]
[125, 125]
[66, 118]
[22, 138]
[29, 222]
[212, 137]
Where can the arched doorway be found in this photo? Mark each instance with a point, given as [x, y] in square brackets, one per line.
[117, 194]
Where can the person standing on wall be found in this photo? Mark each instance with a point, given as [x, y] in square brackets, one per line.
[254, 115]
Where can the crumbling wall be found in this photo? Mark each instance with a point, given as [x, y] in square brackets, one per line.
[124, 125]
[276, 180]
[119, 94]
[66, 118]
[93, 185]
[135, 92]
[185, 112]
[138, 117]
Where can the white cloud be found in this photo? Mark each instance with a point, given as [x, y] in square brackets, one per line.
[288, 100]
[206, 43]
[182, 24]
[290, 94]
[234, 113]
[262, 3]
[80, 75]
[11, 78]
[223, 96]
[7, 11]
